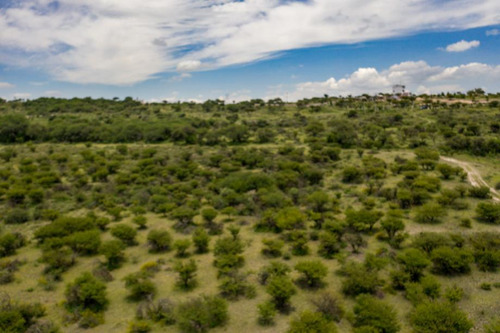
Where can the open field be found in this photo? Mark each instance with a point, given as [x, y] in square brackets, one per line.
[349, 184]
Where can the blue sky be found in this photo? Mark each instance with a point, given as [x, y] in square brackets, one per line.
[185, 49]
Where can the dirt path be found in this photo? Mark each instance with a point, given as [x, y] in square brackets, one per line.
[473, 175]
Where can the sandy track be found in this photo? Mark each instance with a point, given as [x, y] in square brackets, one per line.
[473, 176]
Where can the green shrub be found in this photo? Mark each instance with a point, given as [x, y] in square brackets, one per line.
[187, 274]
[281, 290]
[159, 240]
[431, 317]
[201, 239]
[86, 293]
[267, 312]
[376, 314]
[313, 273]
[359, 280]
[311, 322]
[140, 286]
[125, 233]
[17, 216]
[451, 261]
[488, 212]
[201, 314]
[113, 251]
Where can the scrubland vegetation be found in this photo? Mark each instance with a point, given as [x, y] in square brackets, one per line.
[325, 215]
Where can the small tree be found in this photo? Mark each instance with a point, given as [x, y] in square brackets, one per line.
[267, 311]
[141, 221]
[430, 213]
[281, 290]
[201, 314]
[86, 293]
[488, 212]
[430, 317]
[201, 239]
[125, 233]
[359, 280]
[313, 272]
[451, 261]
[272, 247]
[139, 286]
[187, 274]
[159, 240]
[181, 246]
[311, 322]
[414, 261]
[113, 251]
[374, 315]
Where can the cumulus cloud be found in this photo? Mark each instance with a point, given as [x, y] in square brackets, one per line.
[5, 85]
[128, 41]
[462, 46]
[418, 76]
[492, 32]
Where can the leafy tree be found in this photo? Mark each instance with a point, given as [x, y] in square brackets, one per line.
[272, 247]
[267, 312]
[352, 175]
[139, 286]
[281, 290]
[10, 242]
[274, 268]
[141, 221]
[113, 251]
[201, 240]
[201, 314]
[428, 241]
[488, 212]
[313, 272]
[311, 322]
[234, 285]
[414, 261]
[159, 240]
[13, 128]
[184, 216]
[359, 280]
[86, 293]
[125, 233]
[362, 219]
[187, 274]
[84, 242]
[451, 261]
[290, 218]
[392, 224]
[430, 213]
[372, 313]
[181, 246]
[329, 244]
[439, 317]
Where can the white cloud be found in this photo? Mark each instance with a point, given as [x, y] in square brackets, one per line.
[123, 42]
[6, 85]
[21, 95]
[188, 65]
[181, 77]
[492, 32]
[462, 46]
[418, 76]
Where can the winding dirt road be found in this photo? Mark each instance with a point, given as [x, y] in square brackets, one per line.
[473, 175]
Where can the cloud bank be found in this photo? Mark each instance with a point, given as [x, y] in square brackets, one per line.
[418, 76]
[122, 42]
